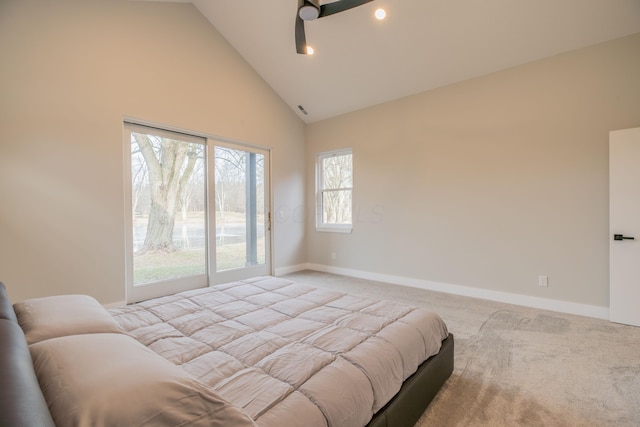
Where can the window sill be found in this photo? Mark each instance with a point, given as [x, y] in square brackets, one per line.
[345, 229]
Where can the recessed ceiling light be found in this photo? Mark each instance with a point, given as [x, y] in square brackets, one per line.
[380, 14]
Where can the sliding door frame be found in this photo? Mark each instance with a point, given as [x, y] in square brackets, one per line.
[154, 289]
[235, 274]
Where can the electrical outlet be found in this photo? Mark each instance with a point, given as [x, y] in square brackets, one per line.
[543, 281]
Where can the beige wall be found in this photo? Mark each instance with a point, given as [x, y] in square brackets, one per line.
[70, 71]
[490, 182]
[487, 183]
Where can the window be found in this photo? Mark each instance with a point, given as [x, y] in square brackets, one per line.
[334, 191]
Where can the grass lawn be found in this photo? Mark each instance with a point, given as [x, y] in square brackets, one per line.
[156, 266]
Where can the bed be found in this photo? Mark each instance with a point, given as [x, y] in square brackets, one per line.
[264, 351]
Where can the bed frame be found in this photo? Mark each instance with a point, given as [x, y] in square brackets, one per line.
[417, 391]
[22, 402]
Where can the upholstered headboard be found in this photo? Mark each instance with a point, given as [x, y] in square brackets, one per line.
[21, 400]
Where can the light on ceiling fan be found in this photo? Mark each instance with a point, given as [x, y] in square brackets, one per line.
[308, 12]
[380, 14]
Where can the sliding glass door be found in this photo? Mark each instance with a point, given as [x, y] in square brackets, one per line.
[166, 244]
[197, 212]
[242, 217]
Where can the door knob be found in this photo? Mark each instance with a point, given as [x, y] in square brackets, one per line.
[621, 237]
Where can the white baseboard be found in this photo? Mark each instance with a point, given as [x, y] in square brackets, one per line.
[594, 311]
[292, 269]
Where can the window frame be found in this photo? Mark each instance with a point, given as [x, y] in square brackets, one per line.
[320, 190]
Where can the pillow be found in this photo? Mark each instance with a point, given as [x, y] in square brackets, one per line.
[59, 316]
[110, 380]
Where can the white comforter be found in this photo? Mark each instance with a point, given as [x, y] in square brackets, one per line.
[289, 354]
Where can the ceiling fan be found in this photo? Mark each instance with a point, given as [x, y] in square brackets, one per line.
[309, 10]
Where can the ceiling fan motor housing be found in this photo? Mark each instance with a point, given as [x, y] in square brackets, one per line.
[310, 10]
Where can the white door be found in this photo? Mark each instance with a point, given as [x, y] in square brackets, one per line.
[624, 223]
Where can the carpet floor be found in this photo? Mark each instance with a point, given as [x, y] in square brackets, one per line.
[518, 366]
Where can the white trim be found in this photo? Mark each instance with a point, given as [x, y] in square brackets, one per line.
[598, 312]
[291, 269]
[335, 228]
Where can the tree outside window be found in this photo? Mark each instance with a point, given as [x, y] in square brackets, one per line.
[168, 206]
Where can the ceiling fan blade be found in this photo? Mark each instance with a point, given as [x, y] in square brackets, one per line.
[301, 39]
[340, 6]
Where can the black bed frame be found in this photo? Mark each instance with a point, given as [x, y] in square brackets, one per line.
[417, 391]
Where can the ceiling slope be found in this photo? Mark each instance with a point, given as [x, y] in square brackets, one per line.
[421, 45]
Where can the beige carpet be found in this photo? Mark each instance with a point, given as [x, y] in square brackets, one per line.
[516, 366]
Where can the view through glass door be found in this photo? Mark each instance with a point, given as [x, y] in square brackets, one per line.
[167, 212]
[242, 217]
[197, 212]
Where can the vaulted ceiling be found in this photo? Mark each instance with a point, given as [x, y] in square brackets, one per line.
[421, 45]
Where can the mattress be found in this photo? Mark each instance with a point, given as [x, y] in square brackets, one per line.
[287, 353]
